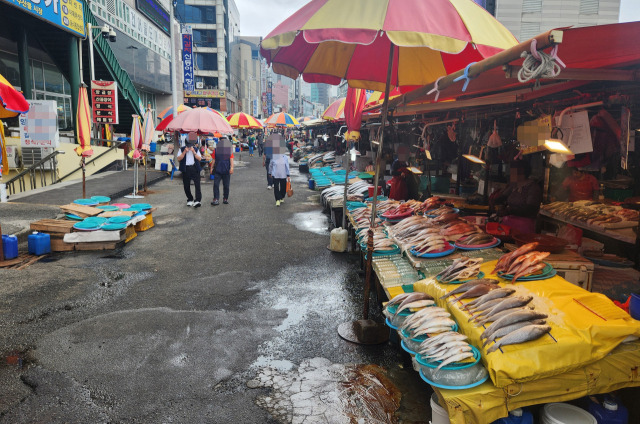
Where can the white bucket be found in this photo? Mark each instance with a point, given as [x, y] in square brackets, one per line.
[563, 413]
[439, 415]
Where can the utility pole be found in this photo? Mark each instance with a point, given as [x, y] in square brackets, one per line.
[174, 76]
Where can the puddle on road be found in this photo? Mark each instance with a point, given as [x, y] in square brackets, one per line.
[315, 222]
[322, 392]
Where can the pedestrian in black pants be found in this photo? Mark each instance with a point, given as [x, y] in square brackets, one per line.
[279, 171]
[222, 159]
[189, 159]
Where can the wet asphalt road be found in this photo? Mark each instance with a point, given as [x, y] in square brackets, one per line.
[223, 314]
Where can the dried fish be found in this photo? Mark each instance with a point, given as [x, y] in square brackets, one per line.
[524, 334]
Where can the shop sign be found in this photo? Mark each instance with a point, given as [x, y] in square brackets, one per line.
[66, 14]
[155, 12]
[104, 101]
[187, 59]
[214, 94]
[39, 126]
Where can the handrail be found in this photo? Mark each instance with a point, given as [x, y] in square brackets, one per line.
[114, 146]
[51, 157]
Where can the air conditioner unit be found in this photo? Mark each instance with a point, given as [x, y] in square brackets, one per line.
[33, 155]
[13, 157]
[200, 85]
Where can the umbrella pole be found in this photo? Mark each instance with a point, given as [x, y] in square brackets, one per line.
[346, 184]
[385, 111]
[368, 331]
[146, 159]
[84, 189]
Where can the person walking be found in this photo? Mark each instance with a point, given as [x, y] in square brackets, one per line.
[260, 143]
[251, 140]
[189, 160]
[223, 168]
[279, 171]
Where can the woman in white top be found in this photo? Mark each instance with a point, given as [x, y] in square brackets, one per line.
[279, 170]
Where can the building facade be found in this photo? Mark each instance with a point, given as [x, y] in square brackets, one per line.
[320, 94]
[247, 53]
[528, 18]
[214, 25]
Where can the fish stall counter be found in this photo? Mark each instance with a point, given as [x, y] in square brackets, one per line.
[591, 348]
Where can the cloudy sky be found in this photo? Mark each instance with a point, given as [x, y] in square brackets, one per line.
[259, 17]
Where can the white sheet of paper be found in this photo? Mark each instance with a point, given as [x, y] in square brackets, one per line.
[576, 133]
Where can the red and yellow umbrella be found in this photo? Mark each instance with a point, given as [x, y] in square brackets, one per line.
[377, 97]
[330, 40]
[335, 111]
[169, 111]
[83, 124]
[12, 102]
[281, 119]
[243, 120]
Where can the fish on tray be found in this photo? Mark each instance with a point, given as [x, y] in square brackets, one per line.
[507, 303]
[476, 291]
[512, 318]
[510, 328]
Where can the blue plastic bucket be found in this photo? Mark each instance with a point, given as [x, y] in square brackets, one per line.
[152, 147]
[39, 243]
[312, 184]
[164, 167]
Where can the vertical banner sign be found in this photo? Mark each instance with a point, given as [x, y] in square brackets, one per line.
[104, 101]
[39, 126]
[187, 58]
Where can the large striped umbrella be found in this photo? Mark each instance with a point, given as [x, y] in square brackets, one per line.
[331, 40]
[243, 120]
[281, 119]
[169, 111]
[83, 124]
[148, 131]
[4, 161]
[12, 102]
[217, 111]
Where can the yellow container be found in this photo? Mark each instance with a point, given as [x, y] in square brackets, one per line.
[145, 224]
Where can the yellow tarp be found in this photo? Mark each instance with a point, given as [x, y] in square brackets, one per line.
[585, 327]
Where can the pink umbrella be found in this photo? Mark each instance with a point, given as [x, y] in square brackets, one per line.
[200, 120]
[136, 136]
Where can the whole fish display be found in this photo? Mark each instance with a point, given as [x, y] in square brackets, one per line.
[410, 298]
[509, 328]
[494, 294]
[432, 243]
[495, 317]
[446, 348]
[591, 212]
[415, 305]
[508, 303]
[521, 262]
[469, 285]
[476, 239]
[505, 261]
[461, 268]
[476, 291]
[521, 335]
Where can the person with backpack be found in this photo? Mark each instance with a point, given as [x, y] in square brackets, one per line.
[251, 141]
[222, 159]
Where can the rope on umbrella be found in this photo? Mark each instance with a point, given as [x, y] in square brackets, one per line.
[539, 64]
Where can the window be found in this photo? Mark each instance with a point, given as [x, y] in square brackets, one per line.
[52, 79]
[9, 68]
[204, 38]
[529, 30]
[207, 61]
[589, 7]
[531, 6]
[38, 77]
[209, 83]
[195, 14]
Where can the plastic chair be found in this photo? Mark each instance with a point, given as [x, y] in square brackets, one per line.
[173, 167]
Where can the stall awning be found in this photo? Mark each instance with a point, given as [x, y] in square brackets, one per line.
[598, 53]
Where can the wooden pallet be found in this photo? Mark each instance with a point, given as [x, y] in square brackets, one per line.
[21, 262]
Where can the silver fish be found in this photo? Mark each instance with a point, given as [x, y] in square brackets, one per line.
[398, 299]
[449, 352]
[417, 304]
[483, 320]
[413, 297]
[442, 338]
[509, 328]
[524, 334]
[478, 290]
[512, 318]
[468, 285]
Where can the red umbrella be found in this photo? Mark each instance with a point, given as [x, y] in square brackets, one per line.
[200, 120]
[356, 98]
[12, 102]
